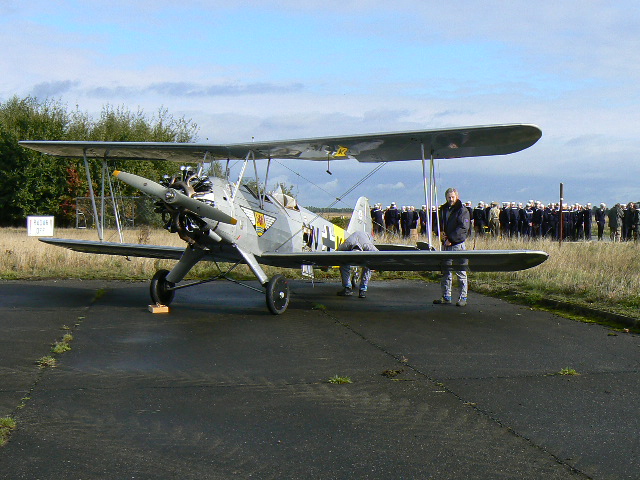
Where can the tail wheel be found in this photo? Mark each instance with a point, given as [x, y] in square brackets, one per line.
[278, 294]
[161, 289]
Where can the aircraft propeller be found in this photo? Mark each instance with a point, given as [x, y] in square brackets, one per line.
[174, 197]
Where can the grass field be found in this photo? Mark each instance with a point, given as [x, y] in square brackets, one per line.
[604, 275]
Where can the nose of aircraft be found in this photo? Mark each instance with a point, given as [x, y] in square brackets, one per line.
[174, 197]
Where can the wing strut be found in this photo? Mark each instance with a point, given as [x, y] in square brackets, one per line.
[92, 195]
[266, 179]
[429, 195]
[244, 167]
[116, 213]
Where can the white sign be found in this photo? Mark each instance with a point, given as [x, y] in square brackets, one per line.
[40, 226]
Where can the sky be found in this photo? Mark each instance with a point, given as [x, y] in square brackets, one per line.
[264, 70]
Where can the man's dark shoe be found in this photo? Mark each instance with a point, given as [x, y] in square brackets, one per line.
[362, 294]
[442, 301]
[345, 292]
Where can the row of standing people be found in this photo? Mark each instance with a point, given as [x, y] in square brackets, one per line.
[511, 220]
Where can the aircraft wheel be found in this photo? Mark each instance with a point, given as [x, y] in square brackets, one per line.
[160, 288]
[277, 294]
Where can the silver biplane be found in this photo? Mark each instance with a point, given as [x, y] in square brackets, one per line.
[225, 221]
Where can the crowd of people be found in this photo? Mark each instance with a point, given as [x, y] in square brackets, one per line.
[454, 222]
[518, 220]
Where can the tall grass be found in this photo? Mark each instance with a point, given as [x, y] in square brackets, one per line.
[26, 257]
[602, 274]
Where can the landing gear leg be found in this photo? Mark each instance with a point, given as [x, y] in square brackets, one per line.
[277, 294]
[277, 288]
[163, 281]
[160, 289]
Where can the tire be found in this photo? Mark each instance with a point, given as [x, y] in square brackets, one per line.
[160, 288]
[277, 294]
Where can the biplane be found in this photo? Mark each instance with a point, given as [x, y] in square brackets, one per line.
[225, 221]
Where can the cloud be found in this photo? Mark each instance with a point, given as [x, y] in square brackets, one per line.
[331, 186]
[391, 186]
[179, 89]
[195, 90]
[53, 89]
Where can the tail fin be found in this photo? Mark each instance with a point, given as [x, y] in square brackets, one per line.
[361, 217]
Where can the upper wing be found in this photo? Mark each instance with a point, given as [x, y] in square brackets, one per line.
[418, 260]
[382, 147]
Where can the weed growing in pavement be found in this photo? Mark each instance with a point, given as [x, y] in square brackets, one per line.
[60, 347]
[338, 380]
[101, 292]
[567, 371]
[23, 402]
[47, 361]
[7, 426]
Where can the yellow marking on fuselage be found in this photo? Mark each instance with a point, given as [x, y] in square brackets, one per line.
[339, 233]
[323, 236]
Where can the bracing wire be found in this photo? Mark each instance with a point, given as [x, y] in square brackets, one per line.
[337, 199]
[341, 197]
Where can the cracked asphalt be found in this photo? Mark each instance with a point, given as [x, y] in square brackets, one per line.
[219, 388]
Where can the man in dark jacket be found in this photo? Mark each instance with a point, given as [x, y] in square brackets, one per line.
[601, 220]
[587, 217]
[377, 219]
[627, 221]
[455, 224]
[392, 219]
[616, 215]
[480, 219]
[635, 228]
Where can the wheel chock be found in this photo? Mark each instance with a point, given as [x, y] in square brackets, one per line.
[158, 308]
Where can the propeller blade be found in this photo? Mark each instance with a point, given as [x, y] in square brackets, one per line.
[173, 196]
[143, 184]
[196, 206]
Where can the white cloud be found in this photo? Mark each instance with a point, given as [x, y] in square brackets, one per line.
[391, 186]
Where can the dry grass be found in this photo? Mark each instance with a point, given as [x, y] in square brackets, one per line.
[26, 257]
[23, 257]
[602, 274]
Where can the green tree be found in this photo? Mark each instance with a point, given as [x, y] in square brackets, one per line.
[33, 183]
[12, 158]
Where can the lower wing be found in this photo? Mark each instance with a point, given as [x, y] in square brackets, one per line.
[404, 260]
[224, 253]
[413, 260]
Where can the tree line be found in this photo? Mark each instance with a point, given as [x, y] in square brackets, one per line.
[32, 183]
